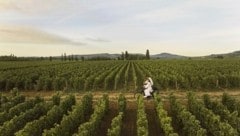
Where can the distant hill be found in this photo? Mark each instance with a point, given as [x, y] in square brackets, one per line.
[115, 56]
[103, 56]
[100, 55]
[167, 56]
[235, 54]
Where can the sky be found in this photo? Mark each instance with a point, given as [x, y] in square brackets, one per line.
[183, 27]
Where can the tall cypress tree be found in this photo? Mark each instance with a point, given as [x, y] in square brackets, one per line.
[126, 55]
[122, 56]
[147, 55]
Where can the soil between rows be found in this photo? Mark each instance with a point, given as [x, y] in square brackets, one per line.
[129, 120]
[154, 128]
[107, 119]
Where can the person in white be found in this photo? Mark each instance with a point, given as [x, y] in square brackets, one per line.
[148, 87]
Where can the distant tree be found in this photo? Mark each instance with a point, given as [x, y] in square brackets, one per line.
[72, 57]
[10, 57]
[219, 57]
[82, 58]
[65, 57]
[69, 57]
[62, 57]
[122, 56]
[50, 58]
[76, 58]
[126, 55]
[147, 55]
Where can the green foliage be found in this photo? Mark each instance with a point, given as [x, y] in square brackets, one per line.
[165, 121]
[185, 120]
[109, 75]
[122, 103]
[12, 102]
[70, 123]
[3, 99]
[142, 123]
[89, 128]
[53, 116]
[15, 92]
[208, 119]
[109, 80]
[219, 109]
[18, 122]
[231, 103]
[116, 125]
[119, 77]
[56, 99]
[16, 110]
[126, 76]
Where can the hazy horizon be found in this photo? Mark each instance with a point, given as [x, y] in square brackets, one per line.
[53, 27]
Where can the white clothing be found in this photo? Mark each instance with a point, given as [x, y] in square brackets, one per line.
[147, 88]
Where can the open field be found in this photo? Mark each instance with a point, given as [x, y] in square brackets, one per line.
[99, 98]
[120, 75]
[129, 121]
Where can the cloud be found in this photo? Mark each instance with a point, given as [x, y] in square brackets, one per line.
[32, 6]
[94, 39]
[6, 5]
[29, 35]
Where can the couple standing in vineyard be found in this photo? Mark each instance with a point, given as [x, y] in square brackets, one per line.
[148, 87]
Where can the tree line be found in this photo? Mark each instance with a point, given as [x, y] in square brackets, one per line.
[65, 57]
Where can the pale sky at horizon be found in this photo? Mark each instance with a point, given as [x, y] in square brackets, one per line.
[52, 27]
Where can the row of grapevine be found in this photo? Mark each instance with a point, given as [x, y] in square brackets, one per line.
[142, 122]
[13, 93]
[208, 119]
[134, 77]
[126, 76]
[140, 75]
[11, 65]
[29, 78]
[95, 81]
[16, 110]
[3, 99]
[89, 128]
[165, 120]
[18, 122]
[109, 80]
[173, 74]
[231, 103]
[116, 125]
[194, 74]
[122, 103]
[64, 76]
[70, 123]
[119, 78]
[185, 120]
[47, 121]
[12, 102]
[219, 109]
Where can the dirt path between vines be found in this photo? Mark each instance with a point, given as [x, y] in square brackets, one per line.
[129, 95]
[154, 128]
[129, 120]
[106, 122]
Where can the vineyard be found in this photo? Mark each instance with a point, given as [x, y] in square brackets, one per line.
[119, 115]
[97, 98]
[120, 75]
